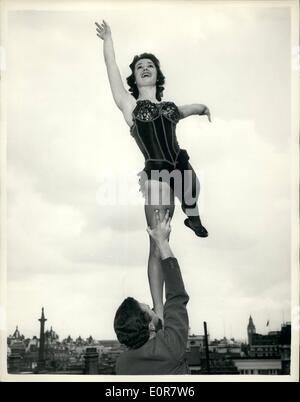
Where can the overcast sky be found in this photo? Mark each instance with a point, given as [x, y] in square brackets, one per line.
[77, 252]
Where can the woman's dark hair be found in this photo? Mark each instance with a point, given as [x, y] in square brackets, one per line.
[131, 324]
[160, 77]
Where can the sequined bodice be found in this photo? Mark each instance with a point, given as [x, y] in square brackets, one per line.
[154, 130]
[146, 110]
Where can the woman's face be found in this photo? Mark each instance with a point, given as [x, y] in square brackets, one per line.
[145, 73]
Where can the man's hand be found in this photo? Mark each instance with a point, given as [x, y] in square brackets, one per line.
[103, 30]
[161, 233]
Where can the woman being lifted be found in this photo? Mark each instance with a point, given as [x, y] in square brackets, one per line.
[167, 172]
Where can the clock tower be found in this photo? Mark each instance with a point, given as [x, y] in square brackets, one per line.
[251, 330]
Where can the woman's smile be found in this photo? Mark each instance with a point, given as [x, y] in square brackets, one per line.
[146, 74]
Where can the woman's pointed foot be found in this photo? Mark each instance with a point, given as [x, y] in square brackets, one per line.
[197, 228]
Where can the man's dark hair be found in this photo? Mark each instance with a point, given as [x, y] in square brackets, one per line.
[131, 324]
[160, 77]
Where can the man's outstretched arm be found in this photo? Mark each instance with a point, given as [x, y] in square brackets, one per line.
[175, 312]
[161, 233]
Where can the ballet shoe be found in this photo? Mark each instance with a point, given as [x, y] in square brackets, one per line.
[199, 230]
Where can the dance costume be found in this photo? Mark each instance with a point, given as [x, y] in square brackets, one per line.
[154, 130]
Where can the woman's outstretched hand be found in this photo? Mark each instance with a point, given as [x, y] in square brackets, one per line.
[103, 30]
[207, 113]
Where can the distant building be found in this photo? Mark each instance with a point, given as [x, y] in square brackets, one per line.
[196, 341]
[228, 347]
[251, 330]
[285, 348]
[221, 353]
[271, 345]
[17, 343]
[258, 366]
[17, 349]
[79, 341]
[264, 346]
[90, 340]
[32, 353]
[266, 354]
[195, 353]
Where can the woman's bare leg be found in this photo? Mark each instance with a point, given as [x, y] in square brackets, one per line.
[155, 275]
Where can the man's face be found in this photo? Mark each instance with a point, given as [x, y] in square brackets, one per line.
[150, 313]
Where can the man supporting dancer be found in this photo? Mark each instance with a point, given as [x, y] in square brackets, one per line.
[152, 350]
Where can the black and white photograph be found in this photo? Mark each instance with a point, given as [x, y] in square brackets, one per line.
[149, 191]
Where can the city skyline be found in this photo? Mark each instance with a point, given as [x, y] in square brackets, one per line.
[51, 326]
[262, 354]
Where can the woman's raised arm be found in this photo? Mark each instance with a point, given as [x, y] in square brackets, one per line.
[120, 95]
